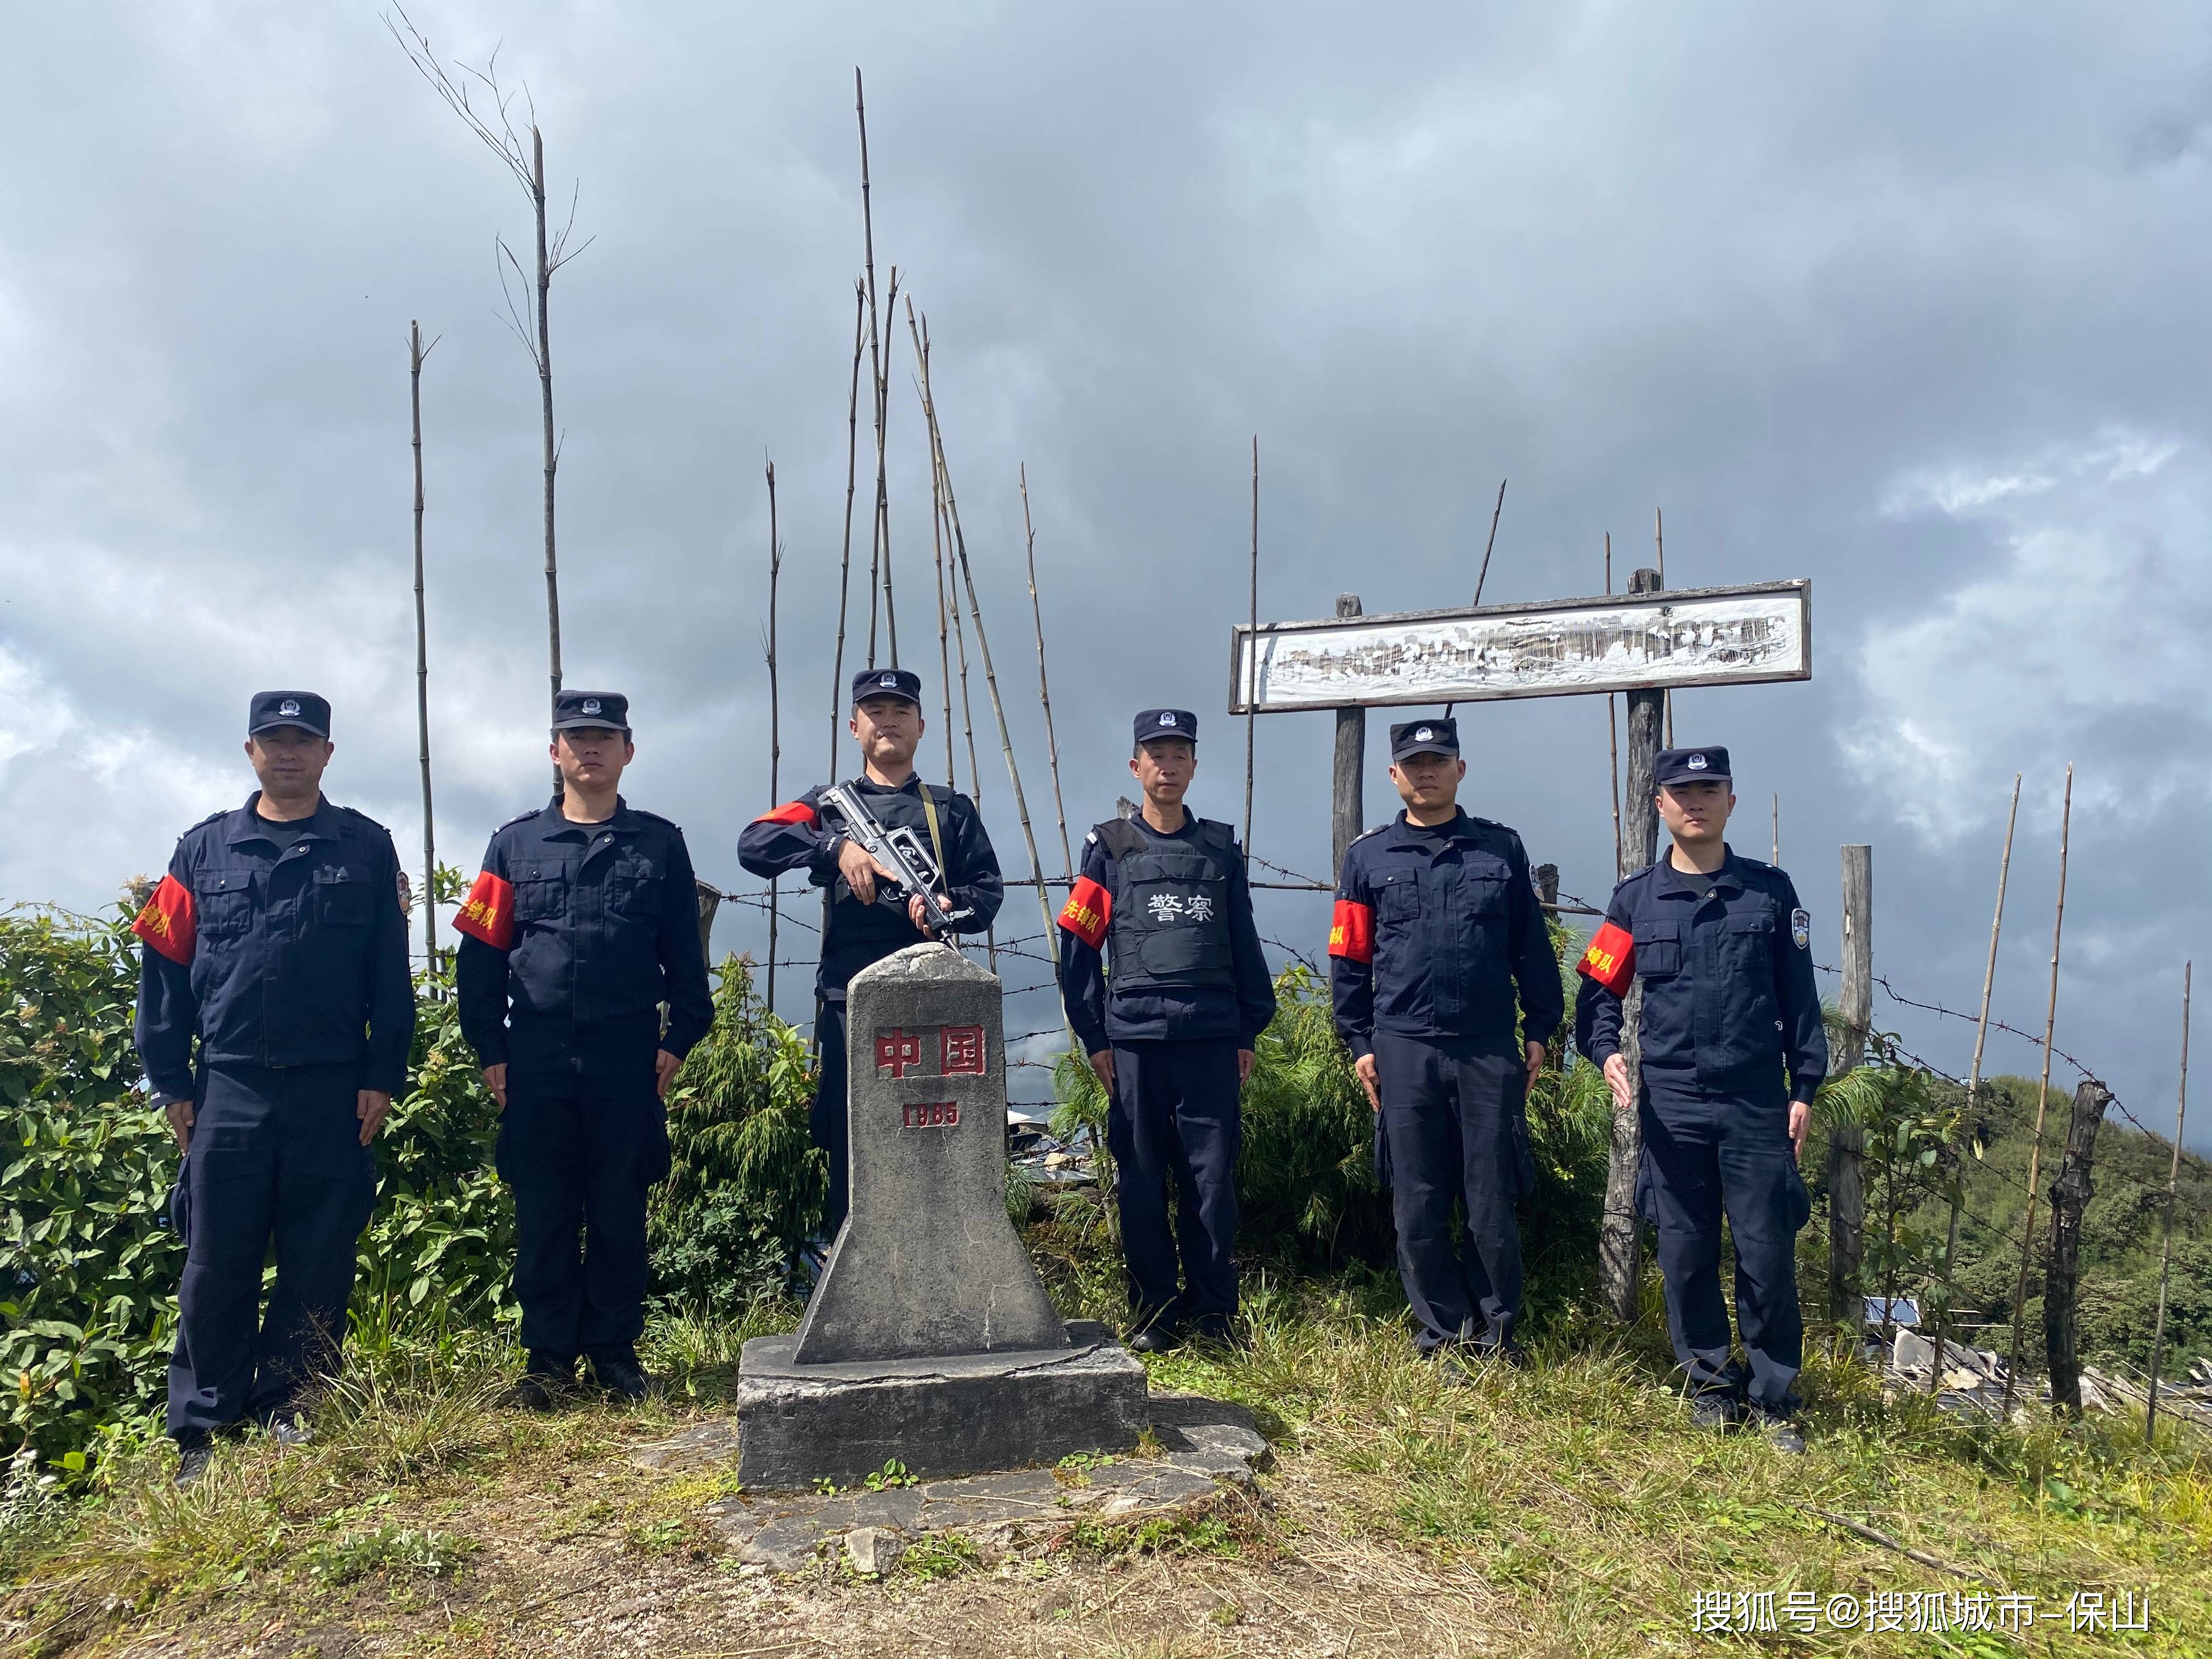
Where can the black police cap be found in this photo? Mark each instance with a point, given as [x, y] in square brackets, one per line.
[270, 709]
[1156, 723]
[576, 710]
[887, 683]
[1691, 766]
[1433, 736]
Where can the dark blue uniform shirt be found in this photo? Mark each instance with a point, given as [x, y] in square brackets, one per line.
[576, 933]
[1729, 1003]
[277, 957]
[1433, 930]
[854, 934]
[1100, 1016]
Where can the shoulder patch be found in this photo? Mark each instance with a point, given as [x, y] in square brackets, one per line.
[1091, 840]
[1800, 929]
[1377, 830]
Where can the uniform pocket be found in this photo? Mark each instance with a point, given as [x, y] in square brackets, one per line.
[636, 889]
[1658, 949]
[341, 897]
[1799, 1200]
[1398, 898]
[540, 894]
[224, 900]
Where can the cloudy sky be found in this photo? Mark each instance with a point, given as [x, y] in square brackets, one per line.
[1905, 298]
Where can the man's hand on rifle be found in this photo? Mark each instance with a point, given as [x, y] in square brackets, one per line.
[918, 914]
[860, 868]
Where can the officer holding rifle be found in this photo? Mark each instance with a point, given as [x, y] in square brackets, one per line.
[868, 911]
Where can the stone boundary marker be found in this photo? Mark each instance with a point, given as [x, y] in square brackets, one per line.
[930, 1339]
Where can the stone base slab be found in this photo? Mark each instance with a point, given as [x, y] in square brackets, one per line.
[947, 1416]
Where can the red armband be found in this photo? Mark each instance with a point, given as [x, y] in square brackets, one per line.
[1352, 931]
[170, 923]
[1610, 960]
[488, 913]
[791, 811]
[1086, 910]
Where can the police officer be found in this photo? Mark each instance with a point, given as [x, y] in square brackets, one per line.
[887, 724]
[1171, 1031]
[277, 939]
[1436, 924]
[1732, 1052]
[584, 922]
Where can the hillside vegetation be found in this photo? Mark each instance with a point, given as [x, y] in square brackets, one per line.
[1569, 1508]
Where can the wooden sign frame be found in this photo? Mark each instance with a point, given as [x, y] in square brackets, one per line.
[1687, 637]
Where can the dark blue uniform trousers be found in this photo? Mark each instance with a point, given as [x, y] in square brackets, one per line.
[275, 1155]
[1454, 1126]
[1174, 1115]
[826, 1120]
[1705, 1153]
[582, 1140]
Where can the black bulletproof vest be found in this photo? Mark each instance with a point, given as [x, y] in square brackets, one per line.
[1171, 920]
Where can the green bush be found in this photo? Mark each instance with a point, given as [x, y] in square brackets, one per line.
[87, 1266]
[745, 1185]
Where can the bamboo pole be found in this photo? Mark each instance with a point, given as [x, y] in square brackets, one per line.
[1659, 538]
[417, 351]
[2042, 1098]
[845, 569]
[774, 717]
[2172, 1186]
[1777, 832]
[959, 638]
[1252, 651]
[883, 474]
[875, 357]
[1974, 1085]
[944, 638]
[1612, 723]
[1044, 690]
[1483, 576]
[984, 651]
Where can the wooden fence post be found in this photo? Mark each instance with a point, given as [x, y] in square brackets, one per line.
[710, 900]
[1620, 1238]
[1347, 812]
[2069, 1196]
[1547, 885]
[1847, 1141]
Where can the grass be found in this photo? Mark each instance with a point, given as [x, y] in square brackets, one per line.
[1575, 1495]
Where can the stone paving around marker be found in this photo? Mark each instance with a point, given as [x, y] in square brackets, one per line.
[1205, 1444]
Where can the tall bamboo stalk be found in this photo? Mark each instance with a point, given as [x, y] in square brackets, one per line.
[837, 691]
[983, 649]
[1252, 651]
[417, 351]
[1659, 538]
[553, 251]
[545, 398]
[1044, 690]
[1483, 577]
[2172, 1186]
[943, 637]
[879, 556]
[1612, 723]
[2042, 1098]
[1974, 1085]
[774, 717]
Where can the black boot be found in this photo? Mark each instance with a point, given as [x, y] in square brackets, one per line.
[547, 1383]
[621, 1377]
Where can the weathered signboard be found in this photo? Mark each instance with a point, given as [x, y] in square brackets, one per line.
[1690, 636]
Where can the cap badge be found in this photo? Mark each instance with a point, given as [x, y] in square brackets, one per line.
[1696, 763]
[1167, 718]
[888, 679]
[1423, 735]
[290, 706]
[591, 705]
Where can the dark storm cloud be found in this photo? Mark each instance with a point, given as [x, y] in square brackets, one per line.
[1903, 298]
